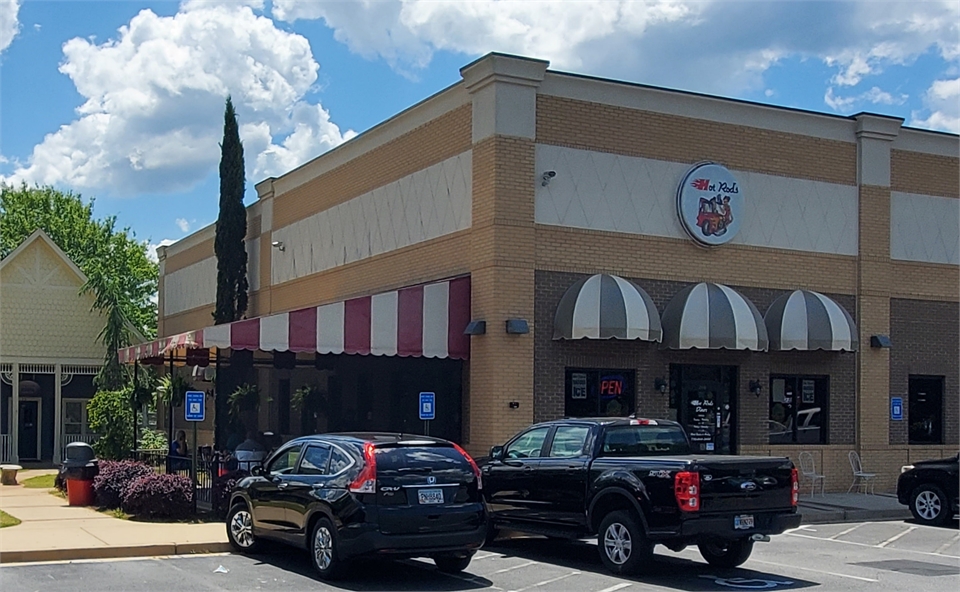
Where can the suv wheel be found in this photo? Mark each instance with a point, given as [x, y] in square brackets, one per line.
[624, 549]
[323, 550]
[929, 505]
[240, 529]
[727, 553]
[452, 563]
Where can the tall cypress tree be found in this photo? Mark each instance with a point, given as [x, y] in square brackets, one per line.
[231, 226]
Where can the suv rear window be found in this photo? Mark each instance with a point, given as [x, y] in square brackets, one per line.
[413, 458]
[646, 440]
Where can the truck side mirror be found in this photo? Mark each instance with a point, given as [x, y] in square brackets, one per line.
[257, 471]
[496, 453]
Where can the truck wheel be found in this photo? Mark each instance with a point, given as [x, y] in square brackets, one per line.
[240, 529]
[452, 563]
[929, 505]
[624, 549]
[727, 553]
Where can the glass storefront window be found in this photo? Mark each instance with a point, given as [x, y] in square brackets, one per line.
[593, 392]
[925, 409]
[798, 406]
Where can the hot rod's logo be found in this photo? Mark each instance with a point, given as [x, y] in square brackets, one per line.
[710, 204]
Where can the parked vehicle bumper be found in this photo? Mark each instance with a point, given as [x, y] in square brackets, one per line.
[721, 527]
[366, 539]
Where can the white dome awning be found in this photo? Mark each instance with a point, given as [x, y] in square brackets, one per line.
[713, 316]
[606, 307]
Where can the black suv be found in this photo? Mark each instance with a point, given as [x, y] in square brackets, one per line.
[930, 488]
[341, 496]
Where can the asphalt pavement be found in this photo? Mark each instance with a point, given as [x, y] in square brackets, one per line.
[873, 556]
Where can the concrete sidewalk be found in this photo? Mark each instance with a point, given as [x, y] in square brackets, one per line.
[851, 507]
[51, 530]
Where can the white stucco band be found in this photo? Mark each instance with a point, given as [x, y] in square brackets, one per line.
[603, 191]
[424, 205]
[924, 228]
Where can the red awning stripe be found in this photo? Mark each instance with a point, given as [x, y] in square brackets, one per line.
[426, 320]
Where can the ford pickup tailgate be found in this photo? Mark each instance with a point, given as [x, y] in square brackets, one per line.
[744, 483]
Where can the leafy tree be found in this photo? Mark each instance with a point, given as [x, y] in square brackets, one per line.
[231, 226]
[120, 275]
[110, 414]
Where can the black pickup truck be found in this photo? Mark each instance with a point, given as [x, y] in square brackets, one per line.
[634, 484]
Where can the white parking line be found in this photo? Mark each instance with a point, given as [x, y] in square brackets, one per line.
[819, 571]
[840, 534]
[545, 582]
[947, 545]
[513, 567]
[871, 546]
[896, 537]
[617, 587]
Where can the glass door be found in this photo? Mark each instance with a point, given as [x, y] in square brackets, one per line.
[706, 405]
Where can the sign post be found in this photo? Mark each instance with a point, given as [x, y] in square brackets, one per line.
[195, 409]
[428, 410]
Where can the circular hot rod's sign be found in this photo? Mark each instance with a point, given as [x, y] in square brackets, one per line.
[710, 204]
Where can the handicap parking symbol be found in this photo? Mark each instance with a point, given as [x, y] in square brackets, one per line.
[748, 583]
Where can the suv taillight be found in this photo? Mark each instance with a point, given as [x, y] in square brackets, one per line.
[794, 487]
[686, 488]
[366, 481]
[476, 469]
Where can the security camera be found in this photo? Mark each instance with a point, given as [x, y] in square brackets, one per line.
[278, 245]
[545, 178]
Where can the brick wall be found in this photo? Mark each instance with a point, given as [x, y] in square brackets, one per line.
[552, 357]
[925, 338]
[928, 174]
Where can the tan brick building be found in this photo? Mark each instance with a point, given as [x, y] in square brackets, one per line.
[527, 182]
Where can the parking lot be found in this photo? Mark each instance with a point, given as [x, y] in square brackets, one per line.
[863, 556]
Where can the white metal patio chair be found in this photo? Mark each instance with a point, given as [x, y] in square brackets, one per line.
[861, 480]
[808, 469]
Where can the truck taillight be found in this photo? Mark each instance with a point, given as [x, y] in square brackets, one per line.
[473, 465]
[366, 481]
[794, 487]
[686, 488]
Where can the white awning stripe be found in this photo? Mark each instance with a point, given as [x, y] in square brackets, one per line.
[330, 328]
[383, 324]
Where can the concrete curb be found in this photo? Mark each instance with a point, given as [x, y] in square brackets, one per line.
[34, 555]
[852, 515]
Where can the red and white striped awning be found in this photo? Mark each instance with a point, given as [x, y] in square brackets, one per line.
[420, 321]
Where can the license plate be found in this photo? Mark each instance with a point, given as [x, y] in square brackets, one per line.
[744, 522]
[435, 496]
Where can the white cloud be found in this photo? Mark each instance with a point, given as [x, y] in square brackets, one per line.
[708, 45]
[183, 225]
[9, 23]
[873, 96]
[152, 248]
[943, 102]
[153, 111]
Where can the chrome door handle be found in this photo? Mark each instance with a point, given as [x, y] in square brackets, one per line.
[527, 469]
[282, 486]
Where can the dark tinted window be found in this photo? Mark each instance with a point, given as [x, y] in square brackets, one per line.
[925, 410]
[285, 460]
[419, 457]
[569, 441]
[338, 461]
[648, 440]
[315, 460]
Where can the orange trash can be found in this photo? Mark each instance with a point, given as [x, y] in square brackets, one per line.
[80, 492]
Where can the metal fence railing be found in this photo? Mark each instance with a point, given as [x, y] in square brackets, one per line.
[6, 448]
[214, 473]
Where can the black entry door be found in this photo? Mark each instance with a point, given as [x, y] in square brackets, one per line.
[706, 406]
[29, 428]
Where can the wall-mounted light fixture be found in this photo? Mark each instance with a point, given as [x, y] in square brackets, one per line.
[545, 178]
[475, 328]
[514, 404]
[660, 385]
[755, 387]
[881, 341]
[517, 326]
[278, 245]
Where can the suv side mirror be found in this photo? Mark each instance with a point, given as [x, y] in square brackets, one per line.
[496, 453]
[257, 471]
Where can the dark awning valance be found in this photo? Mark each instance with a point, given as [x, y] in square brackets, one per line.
[712, 316]
[606, 307]
[806, 320]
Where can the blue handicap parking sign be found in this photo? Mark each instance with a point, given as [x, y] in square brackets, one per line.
[428, 408]
[896, 408]
[194, 406]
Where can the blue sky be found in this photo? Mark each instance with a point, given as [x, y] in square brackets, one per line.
[123, 101]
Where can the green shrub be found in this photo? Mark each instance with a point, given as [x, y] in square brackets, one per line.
[110, 415]
[152, 440]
